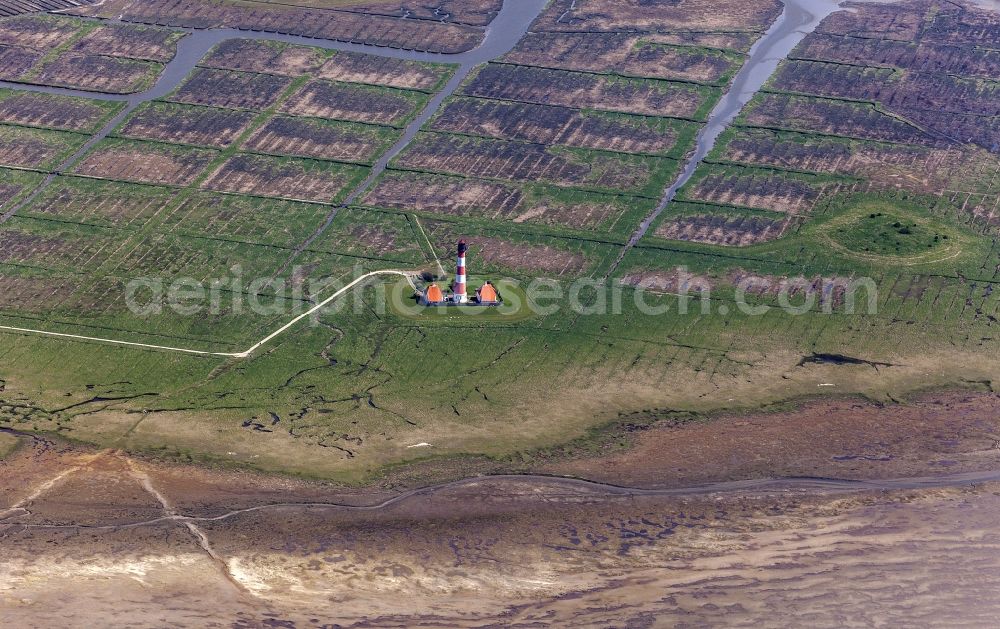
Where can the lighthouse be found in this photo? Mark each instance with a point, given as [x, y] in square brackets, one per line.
[459, 294]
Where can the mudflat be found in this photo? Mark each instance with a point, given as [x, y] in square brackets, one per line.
[88, 533]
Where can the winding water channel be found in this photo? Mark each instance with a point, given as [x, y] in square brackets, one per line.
[799, 18]
[502, 35]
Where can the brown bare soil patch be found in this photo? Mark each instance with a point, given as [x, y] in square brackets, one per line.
[8, 192]
[306, 137]
[531, 257]
[465, 196]
[282, 177]
[520, 256]
[926, 56]
[585, 91]
[576, 214]
[34, 294]
[824, 155]
[459, 196]
[169, 122]
[31, 148]
[145, 162]
[545, 124]
[621, 53]
[827, 290]
[737, 42]
[474, 12]
[16, 62]
[361, 68]
[234, 90]
[658, 15]
[672, 281]
[99, 73]
[65, 250]
[943, 103]
[372, 239]
[267, 57]
[126, 40]
[858, 120]
[959, 128]
[428, 35]
[938, 73]
[516, 161]
[723, 229]
[44, 110]
[35, 31]
[355, 103]
[763, 190]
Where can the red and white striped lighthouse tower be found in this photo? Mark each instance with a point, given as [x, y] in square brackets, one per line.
[459, 289]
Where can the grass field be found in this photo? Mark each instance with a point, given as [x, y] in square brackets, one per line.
[843, 245]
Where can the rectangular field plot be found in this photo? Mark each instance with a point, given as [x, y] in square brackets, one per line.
[144, 162]
[265, 57]
[471, 12]
[820, 154]
[234, 90]
[15, 185]
[96, 202]
[922, 56]
[515, 161]
[831, 117]
[285, 177]
[834, 80]
[771, 190]
[98, 73]
[431, 35]
[23, 147]
[38, 32]
[897, 89]
[16, 63]
[353, 67]
[321, 139]
[67, 113]
[626, 54]
[734, 42]
[173, 255]
[641, 15]
[496, 252]
[186, 124]
[366, 234]
[33, 243]
[579, 90]
[981, 130]
[546, 124]
[446, 195]
[248, 219]
[716, 225]
[356, 103]
[33, 292]
[130, 40]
